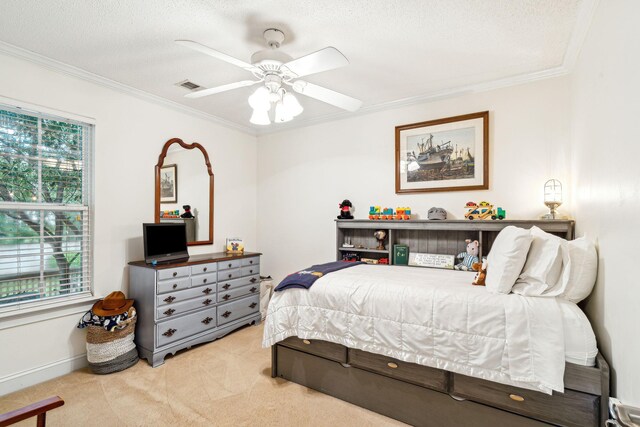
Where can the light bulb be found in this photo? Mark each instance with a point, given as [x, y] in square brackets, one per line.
[291, 104]
[281, 114]
[259, 100]
[260, 117]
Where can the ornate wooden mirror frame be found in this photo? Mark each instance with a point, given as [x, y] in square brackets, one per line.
[163, 154]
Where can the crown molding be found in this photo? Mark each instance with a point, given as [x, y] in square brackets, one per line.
[579, 34]
[424, 98]
[72, 71]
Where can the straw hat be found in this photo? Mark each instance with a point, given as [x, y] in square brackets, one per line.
[113, 304]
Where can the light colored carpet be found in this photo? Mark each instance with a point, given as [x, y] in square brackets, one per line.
[223, 383]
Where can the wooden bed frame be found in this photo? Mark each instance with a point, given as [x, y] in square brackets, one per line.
[424, 396]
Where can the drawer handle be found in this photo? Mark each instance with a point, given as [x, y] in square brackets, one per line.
[250, 271]
[207, 301]
[227, 286]
[175, 273]
[169, 299]
[226, 314]
[204, 280]
[306, 342]
[207, 291]
[392, 365]
[253, 289]
[170, 332]
[230, 275]
[516, 397]
[206, 320]
[169, 312]
[226, 297]
[250, 261]
[254, 280]
[205, 270]
[252, 305]
[229, 265]
[175, 285]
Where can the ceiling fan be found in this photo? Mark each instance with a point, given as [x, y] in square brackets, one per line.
[277, 71]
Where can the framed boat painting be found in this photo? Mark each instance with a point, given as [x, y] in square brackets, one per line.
[450, 154]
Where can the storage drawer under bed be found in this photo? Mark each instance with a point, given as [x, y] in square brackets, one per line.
[328, 350]
[425, 376]
[570, 408]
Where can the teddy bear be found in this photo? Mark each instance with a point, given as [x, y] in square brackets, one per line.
[468, 257]
[481, 274]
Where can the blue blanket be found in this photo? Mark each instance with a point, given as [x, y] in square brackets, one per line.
[307, 277]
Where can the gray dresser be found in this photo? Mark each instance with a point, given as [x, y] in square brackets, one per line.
[187, 303]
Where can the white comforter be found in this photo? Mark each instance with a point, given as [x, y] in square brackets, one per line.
[429, 317]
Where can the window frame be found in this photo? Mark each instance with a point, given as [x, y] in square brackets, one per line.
[49, 307]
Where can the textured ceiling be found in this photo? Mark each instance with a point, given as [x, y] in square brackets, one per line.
[397, 50]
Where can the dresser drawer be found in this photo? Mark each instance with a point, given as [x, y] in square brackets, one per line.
[172, 285]
[238, 292]
[228, 285]
[179, 296]
[237, 309]
[250, 270]
[172, 273]
[185, 326]
[203, 279]
[245, 262]
[176, 309]
[425, 376]
[228, 274]
[570, 408]
[225, 265]
[325, 349]
[204, 268]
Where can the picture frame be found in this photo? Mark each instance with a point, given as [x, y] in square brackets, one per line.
[169, 184]
[449, 154]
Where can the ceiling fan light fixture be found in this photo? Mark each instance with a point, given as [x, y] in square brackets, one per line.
[282, 115]
[291, 104]
[260, 100]
[260, 117]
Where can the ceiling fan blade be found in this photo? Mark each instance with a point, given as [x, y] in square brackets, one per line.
[327, 95]
[216, 54]
[325, 59]
[223, 88]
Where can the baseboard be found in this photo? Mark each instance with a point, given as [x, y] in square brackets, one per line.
[29, 377]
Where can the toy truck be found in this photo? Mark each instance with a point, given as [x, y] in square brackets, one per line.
[484, 210]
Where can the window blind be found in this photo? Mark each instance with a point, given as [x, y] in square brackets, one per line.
[45, 227]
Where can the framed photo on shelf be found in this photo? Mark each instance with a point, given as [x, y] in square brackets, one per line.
[450, 154]
[169, 184]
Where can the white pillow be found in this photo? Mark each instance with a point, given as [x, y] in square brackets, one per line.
[506, 259]
[581, 271]
[542, 273]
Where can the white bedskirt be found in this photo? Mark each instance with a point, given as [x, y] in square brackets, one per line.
[430, 317]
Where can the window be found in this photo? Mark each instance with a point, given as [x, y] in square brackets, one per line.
[45, 247]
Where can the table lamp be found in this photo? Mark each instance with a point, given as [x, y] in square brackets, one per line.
[552, 197]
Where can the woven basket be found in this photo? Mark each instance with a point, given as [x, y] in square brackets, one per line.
[109, 352]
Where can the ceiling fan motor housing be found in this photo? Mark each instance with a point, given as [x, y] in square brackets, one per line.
[274, 37]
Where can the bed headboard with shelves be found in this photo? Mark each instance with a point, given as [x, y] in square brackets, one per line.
[432, 236]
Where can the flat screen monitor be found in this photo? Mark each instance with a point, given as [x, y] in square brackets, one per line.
[164, 242]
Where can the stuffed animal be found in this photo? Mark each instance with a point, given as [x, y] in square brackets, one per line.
[187, 212]
[468, 257]
[482, 272]
[345, 210]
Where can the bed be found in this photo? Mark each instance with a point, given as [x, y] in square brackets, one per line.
[425, 347]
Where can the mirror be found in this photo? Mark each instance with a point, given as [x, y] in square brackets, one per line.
[184, 181]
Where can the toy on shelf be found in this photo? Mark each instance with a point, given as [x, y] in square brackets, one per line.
[380, 236]
[351, 256]
[469, 257]
[378, 213]
[187, 212]
[170, 214]
[384, 261]
[345, 210]
[483, 210]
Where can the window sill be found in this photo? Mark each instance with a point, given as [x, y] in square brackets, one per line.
[11, 317]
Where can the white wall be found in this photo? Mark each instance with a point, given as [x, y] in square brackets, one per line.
[606, 182]
[130, 133]
[303, 174]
